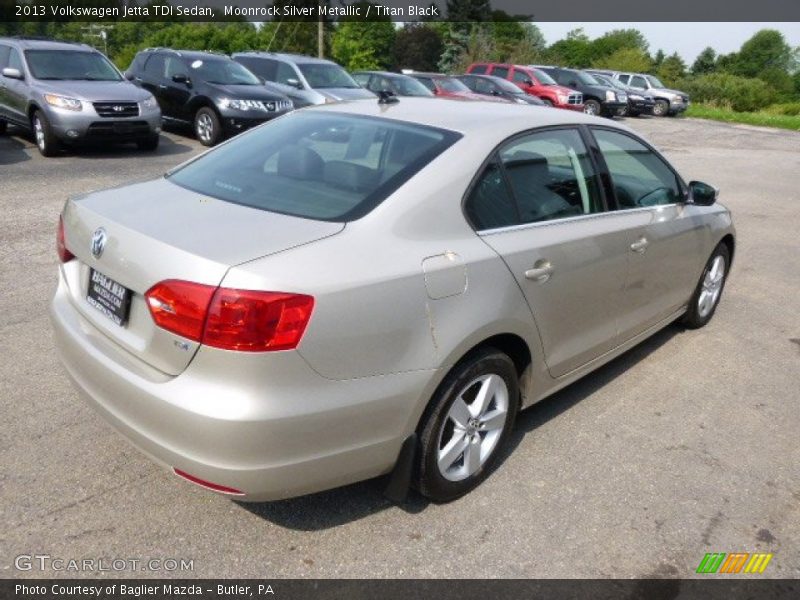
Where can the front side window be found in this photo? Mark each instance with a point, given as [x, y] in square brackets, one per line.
[324, 166]
[641, 178]
[520, 76]
[638, 82]
[537, 177]
[69, 65]
[14, 61]
[285, 74]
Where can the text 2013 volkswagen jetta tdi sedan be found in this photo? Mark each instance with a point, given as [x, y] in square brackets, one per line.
[367, 288]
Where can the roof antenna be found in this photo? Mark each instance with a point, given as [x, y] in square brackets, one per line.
[387, 97]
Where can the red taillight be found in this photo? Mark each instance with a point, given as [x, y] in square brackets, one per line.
[64, 255]
[207, 484]
[243, 320]
[180, 306]
[253, 321]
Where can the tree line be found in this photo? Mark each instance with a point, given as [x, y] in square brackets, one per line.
[765, 70]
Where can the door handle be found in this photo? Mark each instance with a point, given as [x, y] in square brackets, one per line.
[640, 245]
[540, 272]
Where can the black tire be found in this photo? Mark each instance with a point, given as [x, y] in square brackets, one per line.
[149, 145]
[3, 127]
[661, 108]
[438, 428]
[547, 102]
[696, 316]
[592, 107]
[47, 143]
[207, 128]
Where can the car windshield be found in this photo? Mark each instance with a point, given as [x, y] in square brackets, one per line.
[222, 72]
[408, 86]
[449, 84]
[71, 65]
[586, 79]
[316, 165]
[609, 81]
[324, 75]
[655, 81]
[543, 77]
[506, 86]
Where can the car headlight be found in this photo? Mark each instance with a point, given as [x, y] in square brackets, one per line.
[610, 96]
[150, 103]
[241, 104]
[519, 101]
[562, 98]
[63, 102]
[636, 97]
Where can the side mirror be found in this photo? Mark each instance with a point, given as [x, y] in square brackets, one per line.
[702, 194]
[129, 76]
[181, 78]
[527, 81]
[295, 83]
[495, 92]
[12, 73]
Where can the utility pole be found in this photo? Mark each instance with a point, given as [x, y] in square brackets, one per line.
[320, 37]
[98, 31]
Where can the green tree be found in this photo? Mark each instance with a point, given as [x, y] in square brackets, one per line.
[454, 42]
[360, 44]
[672, 70]
[658, 59]
[766, 49]
[417, 47]
[573, 51]
[625, 59]
[618, 39]
[706, 62]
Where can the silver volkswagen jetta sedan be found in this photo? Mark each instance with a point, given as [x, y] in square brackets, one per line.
[366, 288]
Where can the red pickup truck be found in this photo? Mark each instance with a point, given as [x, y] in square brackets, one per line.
[533, 81]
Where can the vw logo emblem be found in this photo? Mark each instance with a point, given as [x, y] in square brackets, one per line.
[98, 242]
[118, 108]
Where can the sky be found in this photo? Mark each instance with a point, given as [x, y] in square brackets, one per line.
[687, 39]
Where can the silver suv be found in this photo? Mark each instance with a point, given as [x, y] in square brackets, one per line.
[305, 79]
[71, 93]
[668, 102]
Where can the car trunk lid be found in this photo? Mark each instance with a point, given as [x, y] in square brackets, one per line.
[155, 231]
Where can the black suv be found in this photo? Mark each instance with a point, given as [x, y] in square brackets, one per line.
[598, 99]
[212, 92]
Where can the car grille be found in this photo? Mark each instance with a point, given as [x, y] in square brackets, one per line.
[116, 109]
[685, 98]
[575, 99]
[106, 129]
[277, 105]
[622, 97]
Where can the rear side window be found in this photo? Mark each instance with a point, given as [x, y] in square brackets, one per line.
[324, 166]
[640, 177]
[500, 72]
[478, 69]
[545, 175]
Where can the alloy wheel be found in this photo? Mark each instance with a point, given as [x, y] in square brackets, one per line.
[711, 287]
[204, 127]
[38, 130]
[472, 429]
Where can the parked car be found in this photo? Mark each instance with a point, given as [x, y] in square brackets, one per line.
[217, 96]
[350, 290]
[534, 82]
[489, 85]
[639, 102]
[396, 83]
[447, 86]
[598, 98]
[66, 93]
[668, 102]
[305, 79]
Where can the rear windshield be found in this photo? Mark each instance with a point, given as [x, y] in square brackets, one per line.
[316, 165]
[323, 75]
[70, 65]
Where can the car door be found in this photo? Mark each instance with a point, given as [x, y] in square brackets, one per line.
[4, 52]
[151, 78]
[176, 94]
[541, 207]
[666, 256]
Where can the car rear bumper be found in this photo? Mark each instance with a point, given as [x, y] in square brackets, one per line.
[264, 424]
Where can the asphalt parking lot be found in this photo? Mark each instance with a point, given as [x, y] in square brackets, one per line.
[685, 445]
